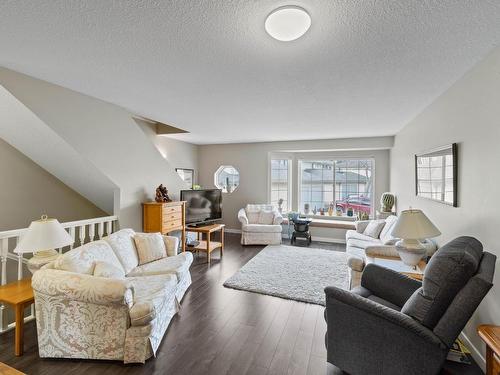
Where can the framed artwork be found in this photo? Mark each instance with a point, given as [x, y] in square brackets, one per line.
[436, 175]
[187, 175]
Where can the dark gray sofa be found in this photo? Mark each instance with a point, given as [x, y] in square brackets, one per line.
[392, 324]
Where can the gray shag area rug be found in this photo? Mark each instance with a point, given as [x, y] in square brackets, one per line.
[291, 272]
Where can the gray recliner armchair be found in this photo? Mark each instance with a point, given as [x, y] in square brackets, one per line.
[392, 324]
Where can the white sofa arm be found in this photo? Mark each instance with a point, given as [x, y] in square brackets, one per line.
[381, 250]
[355, 263]
[82, 287]
[172, 245]
[278, 219]
[242, 217]
[361, 225]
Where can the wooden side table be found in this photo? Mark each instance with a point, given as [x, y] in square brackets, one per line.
[207, 245]
[490, 334]
[18, 295]
[396, 264]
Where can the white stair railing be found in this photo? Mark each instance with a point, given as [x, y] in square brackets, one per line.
[82, 231]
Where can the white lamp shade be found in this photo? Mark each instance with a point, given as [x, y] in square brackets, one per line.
[44, 234]
[413, 224]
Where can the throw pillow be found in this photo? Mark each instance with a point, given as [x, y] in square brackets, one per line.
[150, 247]
[105, 269]
[374, 228]
[253, 217]
[266, 217]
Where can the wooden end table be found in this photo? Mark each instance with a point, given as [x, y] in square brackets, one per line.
[207, 245]
[396, 264]
[490, 334]
[18, 295]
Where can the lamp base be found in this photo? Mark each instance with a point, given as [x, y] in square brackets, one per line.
[410, 251]
[41, 258]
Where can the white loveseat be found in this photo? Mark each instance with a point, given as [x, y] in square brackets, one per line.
[79, 315]
[360, 245]
[260, 225]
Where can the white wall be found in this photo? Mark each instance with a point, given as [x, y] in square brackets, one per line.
[22, 129]
[469, 114]
[27, 191]
[179, 154]
[251, 160]
[104, 134]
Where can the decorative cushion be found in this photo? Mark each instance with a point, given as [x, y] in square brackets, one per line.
[105, 269]
[171, 244]
[352, 234]
[386, 233]
[253, 217]
[150, 247]
[122, 243]
[266, 217]
[82, 259]
[374, 228]
[448, 271]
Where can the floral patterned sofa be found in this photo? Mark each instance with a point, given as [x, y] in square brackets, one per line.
[80, 315]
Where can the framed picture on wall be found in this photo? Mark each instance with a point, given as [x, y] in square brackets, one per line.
[187, 175]
[436, 175]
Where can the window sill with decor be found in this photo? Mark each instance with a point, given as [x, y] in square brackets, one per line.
[339, 222]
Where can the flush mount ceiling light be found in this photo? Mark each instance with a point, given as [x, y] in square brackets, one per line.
[288, 23]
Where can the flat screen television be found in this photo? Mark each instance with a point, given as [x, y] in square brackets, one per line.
[202, 206]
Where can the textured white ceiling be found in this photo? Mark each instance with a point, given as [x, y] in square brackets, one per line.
[364, 68]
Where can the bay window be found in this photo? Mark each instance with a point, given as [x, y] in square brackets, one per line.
[341, 184]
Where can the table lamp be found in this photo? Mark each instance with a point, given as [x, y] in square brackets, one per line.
[42, 238]
[413, 226]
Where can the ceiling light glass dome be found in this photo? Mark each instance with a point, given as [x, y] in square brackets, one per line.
[288, 23]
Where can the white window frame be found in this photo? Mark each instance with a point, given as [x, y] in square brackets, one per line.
[275, 156]
[333, 158]
[216, 178]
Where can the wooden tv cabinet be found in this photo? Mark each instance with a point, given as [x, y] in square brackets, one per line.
[165, 218]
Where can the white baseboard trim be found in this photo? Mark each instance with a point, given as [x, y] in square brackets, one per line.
[475, 353]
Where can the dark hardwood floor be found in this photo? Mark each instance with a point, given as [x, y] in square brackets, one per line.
[218, 331]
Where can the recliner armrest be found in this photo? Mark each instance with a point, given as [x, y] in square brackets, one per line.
[388, 284]
[383, 340]
[385, 315]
